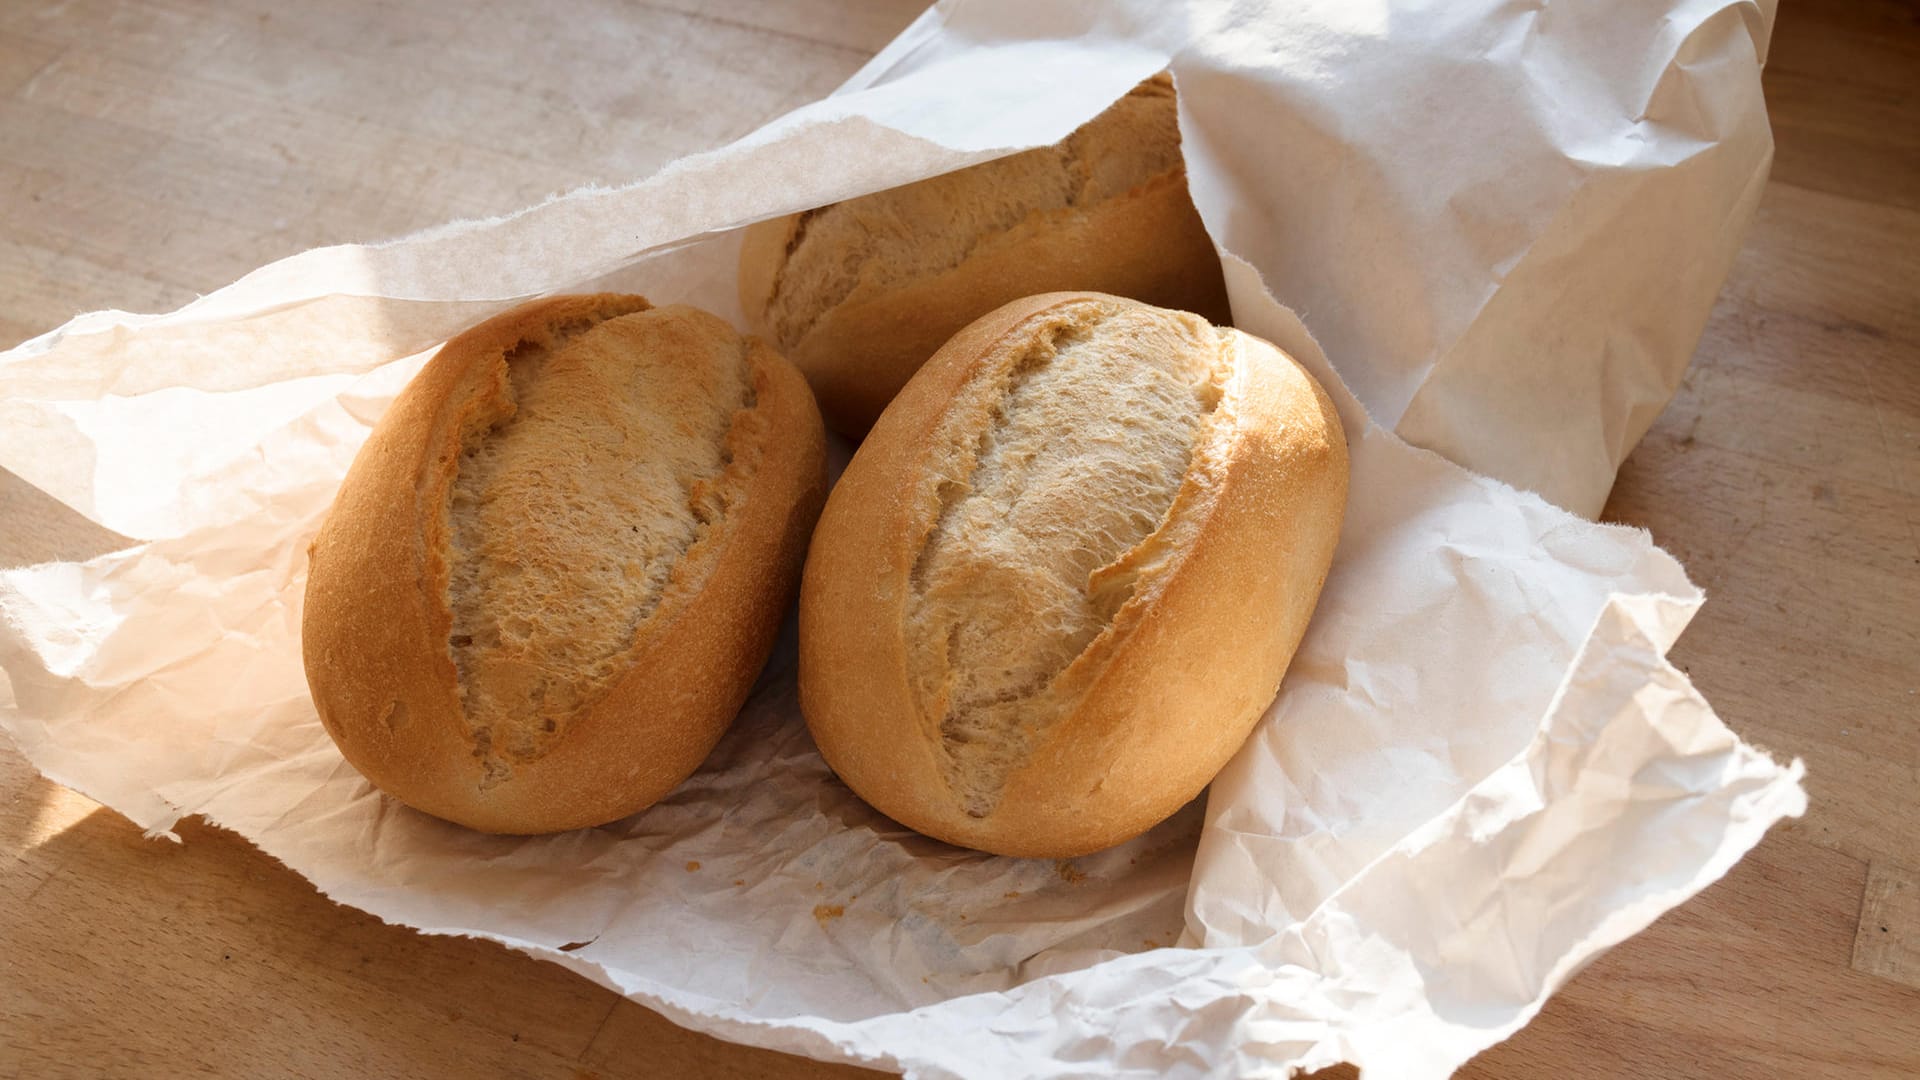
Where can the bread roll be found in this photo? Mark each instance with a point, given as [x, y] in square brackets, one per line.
[557, 565]
[860, 293]
[1061, 579]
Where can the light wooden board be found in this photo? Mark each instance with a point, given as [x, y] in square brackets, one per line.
[1883, 944]
[157, 149]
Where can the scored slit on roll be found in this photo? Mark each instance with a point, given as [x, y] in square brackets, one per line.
[553, 567]
[1040, 541]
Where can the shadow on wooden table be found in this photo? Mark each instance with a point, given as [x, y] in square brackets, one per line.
[40, 528]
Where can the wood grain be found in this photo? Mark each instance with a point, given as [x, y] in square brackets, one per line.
[156, 149]
[1883, 943]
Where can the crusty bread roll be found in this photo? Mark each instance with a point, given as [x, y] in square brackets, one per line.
[560, 560]
[860, 293]
[1061, 579]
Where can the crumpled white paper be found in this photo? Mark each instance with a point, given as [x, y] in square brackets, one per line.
[1481, 771]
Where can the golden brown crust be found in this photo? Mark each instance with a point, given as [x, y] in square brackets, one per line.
[1162, 700]
[763, 249]
[1147, 243]
[376, 623]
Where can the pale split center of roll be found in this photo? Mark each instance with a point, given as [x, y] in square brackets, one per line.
[576, 499]
[1065, 466]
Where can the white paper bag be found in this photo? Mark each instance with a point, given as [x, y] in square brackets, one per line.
[1480, 772]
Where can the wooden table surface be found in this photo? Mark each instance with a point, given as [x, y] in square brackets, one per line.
[152, 150]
